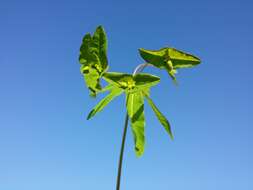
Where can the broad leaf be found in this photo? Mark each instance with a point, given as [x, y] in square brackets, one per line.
[131, 83]
[121, 80]
[169, 59]
[86, 57]
[160, 117]
[115, 92]
[93, 59]
[154, 57]
[135, 108]
[181, 59]
[144, 80]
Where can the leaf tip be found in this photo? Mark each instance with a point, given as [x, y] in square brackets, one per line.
[171, 137]
[139, 151]
[90, 115]
[175, 83]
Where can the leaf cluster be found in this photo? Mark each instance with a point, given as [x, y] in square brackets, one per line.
[136, 87]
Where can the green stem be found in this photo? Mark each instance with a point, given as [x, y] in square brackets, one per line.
[138, 69]
[122, 153]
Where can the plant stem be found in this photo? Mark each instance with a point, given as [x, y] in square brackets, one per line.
[138, 69]
[122, 152]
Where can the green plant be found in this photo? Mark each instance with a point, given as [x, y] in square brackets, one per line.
[136, 86]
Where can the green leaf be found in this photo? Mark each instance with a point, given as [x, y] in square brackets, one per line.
[93, 59]
[92, 79]
[99, 45]
[115, 92]
[107, 88]
[169, 59]
[165, 123]
[120, 80]
[86, 57]
[181, 59]
[135, 108]
[144, 80]
[131, 83]
[172, 72]
[154, 57]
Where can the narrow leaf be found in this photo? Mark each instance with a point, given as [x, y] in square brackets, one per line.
[135, 108]
[115, 92]
[107, 88]
[160, 117]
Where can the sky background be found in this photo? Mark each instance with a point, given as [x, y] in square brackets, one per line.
[46, 142]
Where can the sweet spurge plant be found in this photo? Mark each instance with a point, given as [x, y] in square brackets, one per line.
[136, 87]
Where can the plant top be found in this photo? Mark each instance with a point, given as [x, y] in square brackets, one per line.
[136, 87]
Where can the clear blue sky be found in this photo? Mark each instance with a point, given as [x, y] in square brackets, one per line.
[45, 141]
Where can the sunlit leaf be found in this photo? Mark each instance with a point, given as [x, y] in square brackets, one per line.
[92, 79]
[181, 59]
[93, 59]
[107, 88]
[135, 108]
[154, 57]
[165, 123]
[120, 80]
[131, 83]
[99, 46]
[169, 59]
[114, 93]
[144, 80]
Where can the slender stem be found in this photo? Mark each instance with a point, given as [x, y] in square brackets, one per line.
[122, 152]
[138, 69]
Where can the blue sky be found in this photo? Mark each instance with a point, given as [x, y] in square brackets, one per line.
[45, 141]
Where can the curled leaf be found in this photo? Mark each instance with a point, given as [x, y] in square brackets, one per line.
[93, 59]
[169, 59]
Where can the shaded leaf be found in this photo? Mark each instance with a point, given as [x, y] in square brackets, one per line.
[86, 57]
[135, 108]
[115, 92]
[165, 123]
